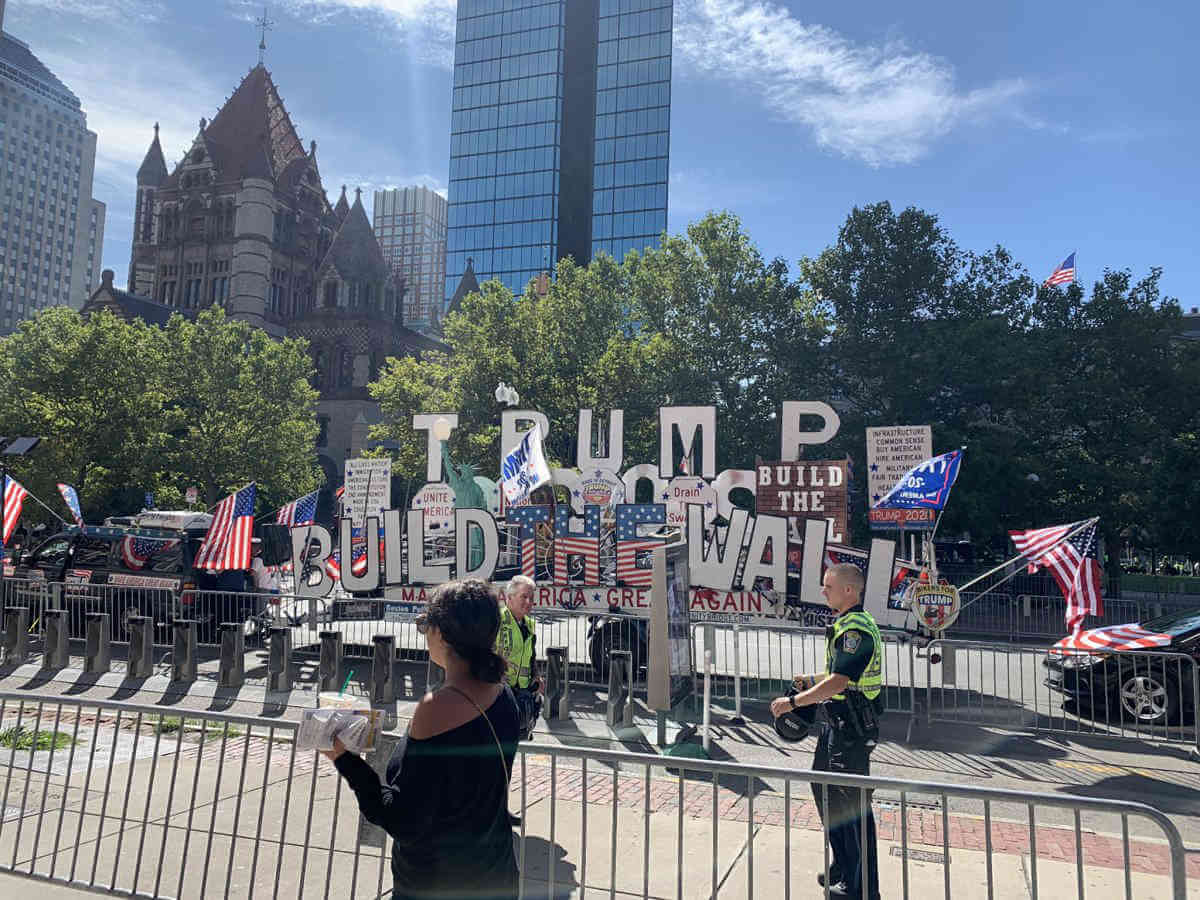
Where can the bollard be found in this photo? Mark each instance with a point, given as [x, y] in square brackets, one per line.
[231, 670]
[708, 672]
[558, 685]
[949, 668]
[183, 651]
[57, 654]
[330, 668]
[97, 654]
[16, 635]
[737, 679]
[141, 647]
[383, 685]
[620, 686]
[279, 660]
[435, 676]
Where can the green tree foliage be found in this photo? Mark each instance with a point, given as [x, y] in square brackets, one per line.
[124, 408]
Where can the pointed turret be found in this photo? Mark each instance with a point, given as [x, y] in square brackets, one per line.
[355, 251]
[153, 170]
[468, 284]
[343, 207]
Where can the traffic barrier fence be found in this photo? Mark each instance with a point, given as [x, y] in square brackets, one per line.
[131, 799]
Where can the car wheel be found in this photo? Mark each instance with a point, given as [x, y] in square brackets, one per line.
[1148, 697]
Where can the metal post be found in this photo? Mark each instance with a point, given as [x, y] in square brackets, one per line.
[279, 659]
[708, 671]
[330, 667]
[56, 653]
[737, 678]
[558, 684]
[620, 687]
[97, 654]
[231, 671]
[16, 635]
[141, 647]
[183, 650]
[383, 684]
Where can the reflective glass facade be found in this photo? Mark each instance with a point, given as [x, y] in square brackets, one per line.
[559, 134]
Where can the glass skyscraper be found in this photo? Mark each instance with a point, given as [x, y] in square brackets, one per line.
[559, 138]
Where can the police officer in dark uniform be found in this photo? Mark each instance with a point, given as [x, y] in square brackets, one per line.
[850, 693]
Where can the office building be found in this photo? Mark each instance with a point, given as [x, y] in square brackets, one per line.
[51, 230]
[560, 134]
[410, 224]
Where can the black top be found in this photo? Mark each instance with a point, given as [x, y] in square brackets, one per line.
[445, 805]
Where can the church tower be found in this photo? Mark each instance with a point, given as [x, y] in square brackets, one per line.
[151, 174]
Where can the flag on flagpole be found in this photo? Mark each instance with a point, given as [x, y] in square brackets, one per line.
[524, 467]
[1069, 552]
[926, 486]
[227, 542]
[299, 512]
[71, 498]
[14, 499]
[1064, 274]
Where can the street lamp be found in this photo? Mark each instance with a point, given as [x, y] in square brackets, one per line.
[442, 429]
[507, 395]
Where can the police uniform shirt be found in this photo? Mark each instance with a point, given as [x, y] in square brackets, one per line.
[852, 653]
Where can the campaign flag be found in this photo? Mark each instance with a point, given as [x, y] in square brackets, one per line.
[14, 499]
[926, 486]
[835, 555]
[71, 498]
[1069, 552]
[136, 551]
[299, 512]
[1064, 274]
[524, 468]
[227, 543]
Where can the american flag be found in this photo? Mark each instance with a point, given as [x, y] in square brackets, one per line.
[71, 498]
[298, 512]
[1064, 274]
[835, 555]
[227, 543]
[1114, 637]
[1072, 560]
[14, 499]
[135, 551]
[586, 544]
[527, 517]
[358, 556]
[630, 543]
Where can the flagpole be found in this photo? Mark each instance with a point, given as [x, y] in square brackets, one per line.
[45, 507]
[1008, 562]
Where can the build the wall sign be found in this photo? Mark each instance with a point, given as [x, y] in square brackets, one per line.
[807, 489]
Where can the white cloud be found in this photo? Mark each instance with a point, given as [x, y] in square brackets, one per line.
[881, 104]
[426, 26]
[98, 10]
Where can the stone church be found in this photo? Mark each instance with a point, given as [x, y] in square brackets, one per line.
[243, 221]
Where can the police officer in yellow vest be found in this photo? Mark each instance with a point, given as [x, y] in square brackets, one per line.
[850, 689]
[517, 643]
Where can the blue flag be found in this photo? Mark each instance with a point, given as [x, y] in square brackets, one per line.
[71, 498]
[926, 486]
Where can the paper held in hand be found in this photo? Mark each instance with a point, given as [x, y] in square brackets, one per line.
[351, 721]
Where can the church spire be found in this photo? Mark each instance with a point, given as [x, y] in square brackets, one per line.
[153, 170]
[264, 25]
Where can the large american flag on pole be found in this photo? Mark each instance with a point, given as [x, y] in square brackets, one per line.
[299, 512]
[1069, 552]
[1064, 274]
[586, 544]
[227, 543]
[630, 543]
[14, 499]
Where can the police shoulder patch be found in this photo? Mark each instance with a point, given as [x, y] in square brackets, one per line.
[851, 641]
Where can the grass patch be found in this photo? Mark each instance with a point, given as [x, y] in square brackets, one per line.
[21, 738]
[172, 724]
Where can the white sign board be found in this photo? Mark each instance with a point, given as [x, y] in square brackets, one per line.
[436, 500]
[368, 489]
[891, 452]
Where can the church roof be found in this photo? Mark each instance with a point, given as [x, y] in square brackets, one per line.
[355, 251]
[468, 284]
[252, 134]
[343, 208]
[129, 306]
[154, 168]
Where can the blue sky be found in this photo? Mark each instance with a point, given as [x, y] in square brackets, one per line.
[1043, 127]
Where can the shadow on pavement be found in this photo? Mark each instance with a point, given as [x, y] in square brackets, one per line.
[542, 858]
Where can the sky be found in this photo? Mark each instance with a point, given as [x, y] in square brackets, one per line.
[1045, 128]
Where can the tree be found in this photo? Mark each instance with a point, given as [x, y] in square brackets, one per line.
[238, 408]
[93, 389]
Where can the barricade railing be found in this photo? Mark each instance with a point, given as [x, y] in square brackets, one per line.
[756, 662]
[1017, 616]
[132, 799]
[1146, 695]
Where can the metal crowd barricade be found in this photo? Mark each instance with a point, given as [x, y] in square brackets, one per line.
[135, 800]
[1146, 695]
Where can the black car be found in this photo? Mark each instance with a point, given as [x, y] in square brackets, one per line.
[1147, 685]
[128, 570]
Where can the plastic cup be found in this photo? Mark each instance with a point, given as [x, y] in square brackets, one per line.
[334, 700]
